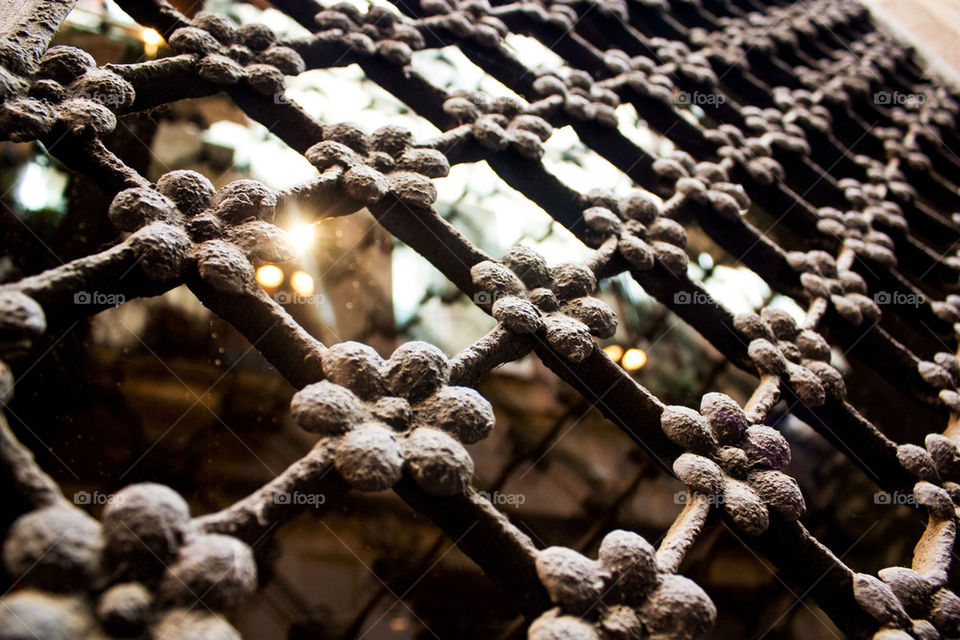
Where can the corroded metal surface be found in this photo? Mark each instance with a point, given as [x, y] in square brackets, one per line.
[824, 145]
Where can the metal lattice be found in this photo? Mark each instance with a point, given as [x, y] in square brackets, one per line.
[793, 127]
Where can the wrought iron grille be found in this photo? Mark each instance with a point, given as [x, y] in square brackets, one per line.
[800, 119]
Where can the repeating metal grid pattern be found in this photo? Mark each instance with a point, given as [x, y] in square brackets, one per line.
[802, 119]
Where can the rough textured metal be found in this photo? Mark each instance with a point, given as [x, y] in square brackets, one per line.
[873, 203]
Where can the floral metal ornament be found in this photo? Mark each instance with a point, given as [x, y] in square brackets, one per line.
[555, 303]
[385, 416]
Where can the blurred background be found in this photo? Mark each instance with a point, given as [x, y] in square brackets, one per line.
[162, 390]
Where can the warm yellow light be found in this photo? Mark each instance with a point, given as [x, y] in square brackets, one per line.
[302, 237]
[151, 36]
[269, 276]
[614, 352]
[634, 359]
[302, 283]
[151, 41]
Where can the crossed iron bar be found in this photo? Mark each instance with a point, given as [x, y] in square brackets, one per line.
[793, 127]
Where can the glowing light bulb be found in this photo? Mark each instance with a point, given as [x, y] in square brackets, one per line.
[302, 283]
[634, 359]
[270, 276]
[151, 41]
[302, 237]
[614, 352]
